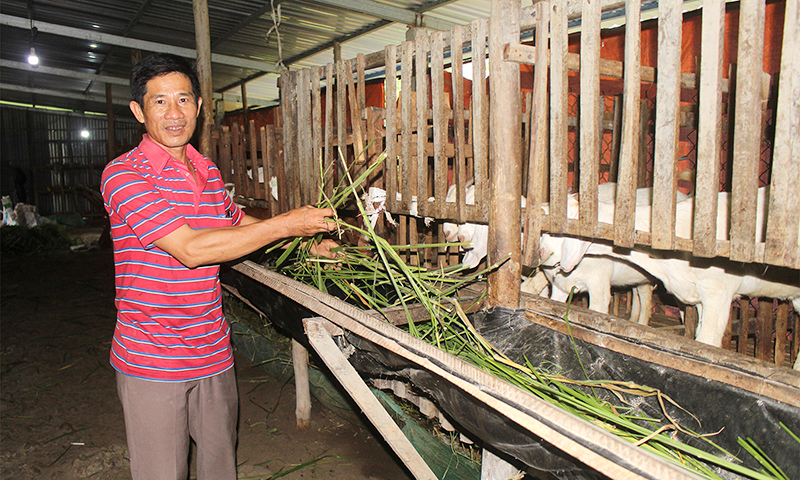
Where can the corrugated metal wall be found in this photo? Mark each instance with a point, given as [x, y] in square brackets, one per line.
[44, 156]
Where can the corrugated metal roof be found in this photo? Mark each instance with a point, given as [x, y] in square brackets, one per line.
[238, 28]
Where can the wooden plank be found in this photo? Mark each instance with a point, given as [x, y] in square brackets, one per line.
[668, 95]
[744, 325]
[558, 116]
[690, 322]
[459, 159]
[746, 134]
[616, 136]
[302, 411]
[288, 107]
[645, 119]
[781, 332]
[783, 224]
[331, 158]
[252, 185]
[421, 53]
[408, 177]
[649, 344]
[506, 165]
[537, 175]
[440, 117]
[315, 161]
[355, 115]
[709, 127]
[391, 128]
[349, 378]
[304, 147]
[360, 76]
[236, 159]
[480, 117]
[225, 147]
[341, 118]
[459, 134]
[764, 330]
[265, 165]
[590, 115]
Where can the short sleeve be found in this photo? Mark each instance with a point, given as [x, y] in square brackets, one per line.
[131, 199]
[233, 209]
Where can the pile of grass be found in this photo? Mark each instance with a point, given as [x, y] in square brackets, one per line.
[19, 241]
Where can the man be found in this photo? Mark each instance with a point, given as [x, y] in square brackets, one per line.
[173, 223]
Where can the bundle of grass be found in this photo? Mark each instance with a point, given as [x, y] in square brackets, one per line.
[24, 241]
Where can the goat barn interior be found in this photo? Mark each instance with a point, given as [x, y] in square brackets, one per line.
[622, 176]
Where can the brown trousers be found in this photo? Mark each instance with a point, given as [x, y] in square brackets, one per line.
[160, 418]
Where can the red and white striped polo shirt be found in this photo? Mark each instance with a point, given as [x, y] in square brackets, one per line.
[170, 325]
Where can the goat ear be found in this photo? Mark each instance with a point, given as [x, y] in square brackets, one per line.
[572, 251]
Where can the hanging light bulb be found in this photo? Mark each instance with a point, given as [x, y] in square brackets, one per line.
[32, 58]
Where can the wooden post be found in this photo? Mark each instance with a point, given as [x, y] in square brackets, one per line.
[244, 103]
[506, 156]
[203, 39]
[302, 410]
[110, 118]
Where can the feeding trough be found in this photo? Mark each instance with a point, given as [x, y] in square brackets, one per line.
[721, 389]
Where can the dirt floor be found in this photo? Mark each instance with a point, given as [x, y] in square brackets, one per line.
[60, 414]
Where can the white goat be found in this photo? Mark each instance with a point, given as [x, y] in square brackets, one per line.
[595, 276]
[709, 284]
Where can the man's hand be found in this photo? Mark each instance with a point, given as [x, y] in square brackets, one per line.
[307, 221]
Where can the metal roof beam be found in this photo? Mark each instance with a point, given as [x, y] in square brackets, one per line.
[244, 23]
[61, 94]
[391, 13]
[61, 72]
[54, 29]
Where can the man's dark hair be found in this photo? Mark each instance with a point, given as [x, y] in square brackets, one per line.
[159, 64]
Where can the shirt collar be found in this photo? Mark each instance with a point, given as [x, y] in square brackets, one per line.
[159, 157]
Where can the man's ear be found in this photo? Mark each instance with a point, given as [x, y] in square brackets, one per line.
[137, 111]
[199, 106]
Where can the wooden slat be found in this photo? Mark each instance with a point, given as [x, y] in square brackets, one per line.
[668, 96]
[744, 325]
[408, 174]
[341, 118]
[253, 187]
[480, 117]
[558, 116]
[537, 179]
[616, 136]
[590, 116]
[225, 154]
[391, 128]
[265, 165]
[355, 115]
[421, 52]
[440, 115]
[288, 194]
[709, 127]
[459, 160]
[303, 171]
[361, 90]
[781, 332]
[331, 158]
[764, 330]
[317, 138]
[236, 159]
[783, 224]
[746, 135]
[275, 136]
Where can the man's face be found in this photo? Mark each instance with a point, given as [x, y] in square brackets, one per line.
[169, 112]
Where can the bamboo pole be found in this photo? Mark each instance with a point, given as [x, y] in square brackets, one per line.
[506, 156]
